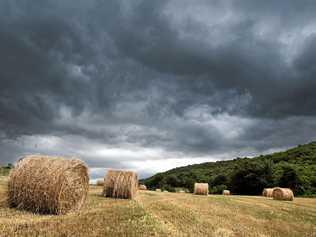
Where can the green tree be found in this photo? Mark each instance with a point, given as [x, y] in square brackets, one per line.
[219, 180]
[248, 180]
[218, 189]
[290, 179]
[267, 172]
[154, 182]
[172, 180]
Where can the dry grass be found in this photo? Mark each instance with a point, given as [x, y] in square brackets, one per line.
[216, 215]
[99, 217]
[167, 214]
[50, 185]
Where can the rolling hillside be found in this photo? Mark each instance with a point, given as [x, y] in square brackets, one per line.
[294, 168]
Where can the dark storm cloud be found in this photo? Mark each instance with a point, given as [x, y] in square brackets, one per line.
[247, 61]
[199, 78]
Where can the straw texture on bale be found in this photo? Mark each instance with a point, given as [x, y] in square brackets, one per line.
[226, 192]
[142, 187]
[100, 182]
[267, 192]
[284, 194]
[50, 185]
[201, 188]
[120, 184]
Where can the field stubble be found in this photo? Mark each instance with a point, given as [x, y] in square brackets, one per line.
[167, 214]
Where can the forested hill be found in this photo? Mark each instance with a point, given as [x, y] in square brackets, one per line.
[294, 168]
[5, 170]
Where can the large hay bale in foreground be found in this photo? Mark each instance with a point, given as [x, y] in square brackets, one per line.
[201, 188]
[284, 194]
[100, 182]
[226, 192]
[50, 185]
[267, 192]
[120, 184]
[142, 187]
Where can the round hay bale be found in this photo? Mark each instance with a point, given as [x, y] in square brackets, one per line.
[226, 192]
[267, 192]
[201, 188]
[158, 190]
[100, 182]
[120, 184]
[142, 187]
[284, 194]
[49, 185]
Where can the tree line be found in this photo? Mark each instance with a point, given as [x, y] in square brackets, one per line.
[294, 168]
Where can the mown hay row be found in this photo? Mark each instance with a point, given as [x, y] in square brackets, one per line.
[201, 188]
[284, 194]
[51, 185]
[120, 184]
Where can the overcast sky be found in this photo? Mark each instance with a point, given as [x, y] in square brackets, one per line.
[149, 85]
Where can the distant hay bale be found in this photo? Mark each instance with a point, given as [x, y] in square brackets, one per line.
[100, 182]
[267, 192]
[201, 188]
[226, 192]
[284, 194]
[50, 185]
[165, 191]
[120, 184]
[142, 187]
[158, 190]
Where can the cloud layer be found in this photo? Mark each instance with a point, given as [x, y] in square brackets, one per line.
[128, 84]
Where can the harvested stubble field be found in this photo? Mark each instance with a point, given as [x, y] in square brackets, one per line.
[167, 214]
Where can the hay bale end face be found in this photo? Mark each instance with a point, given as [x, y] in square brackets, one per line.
[120, 184]
[201, 188]
[284, 194]
[226, 192]
[267, 192]
[142, 187]
[48, 185]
